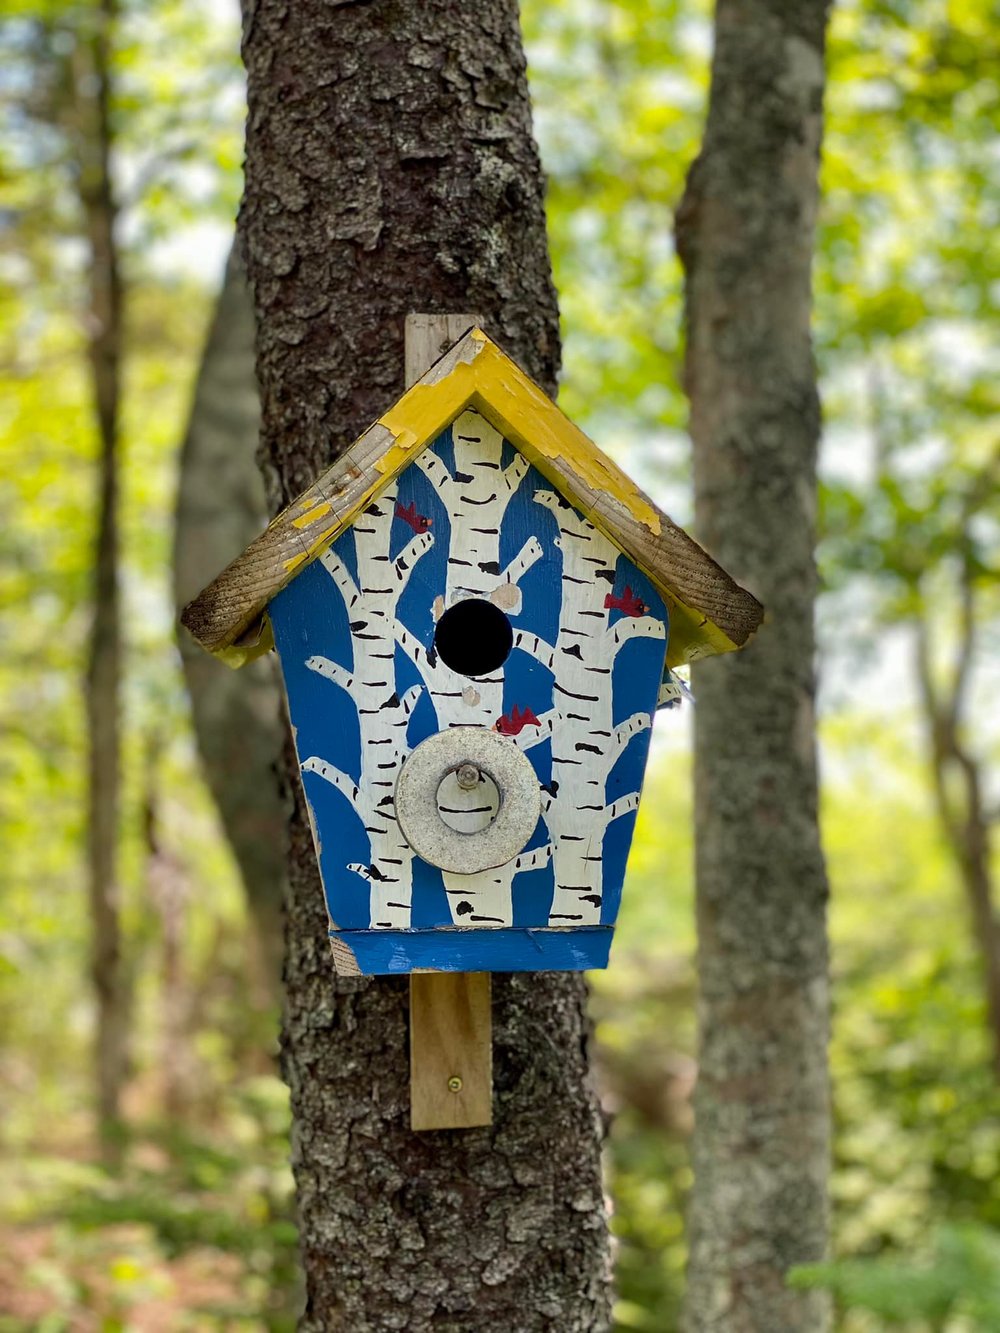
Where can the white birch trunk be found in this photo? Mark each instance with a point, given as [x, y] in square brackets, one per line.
[586, 744]
[383, 716]
[476, 496]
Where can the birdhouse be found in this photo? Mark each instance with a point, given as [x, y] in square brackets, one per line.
[477, 614]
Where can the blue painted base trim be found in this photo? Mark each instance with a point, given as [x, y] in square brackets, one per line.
[383, 952]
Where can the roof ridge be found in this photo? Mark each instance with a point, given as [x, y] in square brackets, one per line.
[710, 612]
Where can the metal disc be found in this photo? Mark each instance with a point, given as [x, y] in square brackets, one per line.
[416, 800]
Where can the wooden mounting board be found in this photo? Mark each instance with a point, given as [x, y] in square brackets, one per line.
[451, 1050]
[451, 1030]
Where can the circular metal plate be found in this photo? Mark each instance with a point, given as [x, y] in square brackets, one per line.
[417, 800]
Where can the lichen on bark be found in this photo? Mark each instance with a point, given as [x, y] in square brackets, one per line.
[745, 236]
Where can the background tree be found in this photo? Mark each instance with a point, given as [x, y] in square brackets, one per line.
[745, 232]
[72, 54]
[101, 159]
[437, 206]
[239, 720]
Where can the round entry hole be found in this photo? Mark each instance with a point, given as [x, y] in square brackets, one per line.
[468, 807]
[473, 637]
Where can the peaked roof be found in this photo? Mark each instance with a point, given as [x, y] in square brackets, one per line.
[709, 612]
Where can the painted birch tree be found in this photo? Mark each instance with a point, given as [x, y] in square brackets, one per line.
[383, 716]
[586, 741]
[476, 500]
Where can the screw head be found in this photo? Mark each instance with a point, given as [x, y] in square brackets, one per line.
[467, 776]
[454, 1084]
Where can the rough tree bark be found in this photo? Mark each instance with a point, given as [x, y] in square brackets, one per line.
[391, 167]
[745, 236]
[238, 717]
[91, 95]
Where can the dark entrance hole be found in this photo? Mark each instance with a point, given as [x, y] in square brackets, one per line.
[473, 637]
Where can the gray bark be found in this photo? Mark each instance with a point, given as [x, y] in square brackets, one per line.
[238, 717]
[391, 168]
[745, 235]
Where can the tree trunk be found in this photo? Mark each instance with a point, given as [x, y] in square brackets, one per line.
[957, 784]
[166, 890]
[745, 235]
[238, 717]
[91, 92]
[391, 168]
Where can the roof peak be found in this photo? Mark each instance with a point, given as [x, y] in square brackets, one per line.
[710, 613]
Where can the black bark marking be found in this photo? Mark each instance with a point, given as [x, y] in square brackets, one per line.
[587, 698]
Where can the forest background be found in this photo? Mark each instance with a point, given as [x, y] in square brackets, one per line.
[194, 1229]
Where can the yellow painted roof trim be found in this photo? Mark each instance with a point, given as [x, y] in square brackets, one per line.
[709, 612]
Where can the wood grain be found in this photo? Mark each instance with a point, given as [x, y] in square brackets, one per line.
[451, 1050]
[428, 337]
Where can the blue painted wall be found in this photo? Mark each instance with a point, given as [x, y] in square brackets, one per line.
[310, 619]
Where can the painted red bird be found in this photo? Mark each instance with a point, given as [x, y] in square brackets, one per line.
[628, 604]
[518, 720]
[418, 522]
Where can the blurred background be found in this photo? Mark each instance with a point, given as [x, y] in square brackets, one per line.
[162, 1201]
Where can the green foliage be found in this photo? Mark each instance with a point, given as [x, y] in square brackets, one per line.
[961, 1279]
[618, 89]
[644, 1010]
[195, 1227]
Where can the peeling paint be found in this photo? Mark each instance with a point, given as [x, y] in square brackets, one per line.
[532, 421]
[316, 508]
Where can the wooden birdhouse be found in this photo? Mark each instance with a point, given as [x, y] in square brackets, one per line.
[476, 614]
